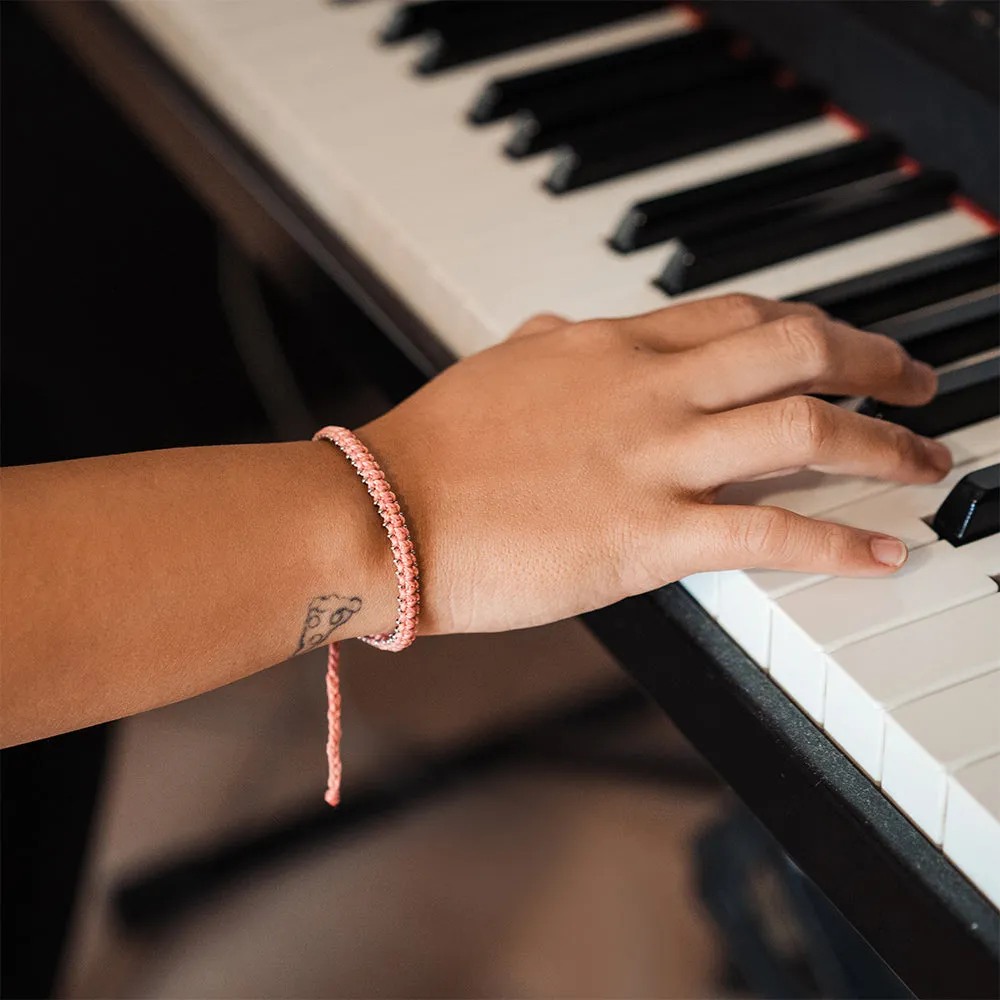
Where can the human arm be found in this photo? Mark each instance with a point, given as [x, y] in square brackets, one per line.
[131, 581]
[570, 466]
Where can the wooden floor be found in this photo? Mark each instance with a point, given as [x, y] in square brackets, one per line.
[522, 885]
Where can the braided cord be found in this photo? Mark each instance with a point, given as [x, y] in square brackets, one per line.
[408, 589]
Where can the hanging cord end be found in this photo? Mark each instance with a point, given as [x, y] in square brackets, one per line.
[334, 767]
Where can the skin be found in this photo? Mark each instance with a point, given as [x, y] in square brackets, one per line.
[568, 467]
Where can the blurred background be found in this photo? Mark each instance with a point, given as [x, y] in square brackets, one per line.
[517, 821]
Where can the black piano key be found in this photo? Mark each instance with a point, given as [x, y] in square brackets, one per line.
[965, 396]
[507, 94]
[409, 19]
[960, 309]
[463, 18]
[972, 509]
[963, 341]
[803, 226]
[556, 120]
[949, 331]
[902, 288]
[662, 132]
[660, 219]
[463, 32]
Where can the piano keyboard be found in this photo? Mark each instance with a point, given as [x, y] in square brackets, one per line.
[611, 158]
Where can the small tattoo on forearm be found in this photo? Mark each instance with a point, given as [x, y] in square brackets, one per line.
[325, 615]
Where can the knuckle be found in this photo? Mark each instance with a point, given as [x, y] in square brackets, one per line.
[807, 341]
[599, 335]
[545, 319]
[746, 309]
[539, 323]
[896, 360]
[905, 446]
[895, 448]
[835, 545]
[808, 309]
[806, 425]
[764, 530]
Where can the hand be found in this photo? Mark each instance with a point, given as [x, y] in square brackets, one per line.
[577, 463]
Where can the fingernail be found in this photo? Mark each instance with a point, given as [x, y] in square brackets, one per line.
[889, 551]
[938, 454]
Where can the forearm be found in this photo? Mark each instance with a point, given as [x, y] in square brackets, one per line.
[136, 580]
[560, 471]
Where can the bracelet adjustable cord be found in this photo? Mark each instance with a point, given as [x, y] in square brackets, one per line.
[408, 595]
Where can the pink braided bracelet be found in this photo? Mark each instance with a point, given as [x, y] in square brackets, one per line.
[407, 601]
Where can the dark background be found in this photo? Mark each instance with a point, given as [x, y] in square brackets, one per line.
[113, 340]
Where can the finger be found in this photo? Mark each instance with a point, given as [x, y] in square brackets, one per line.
[691, 324]
[542, 323]
[801, 431]
[802, 354]
[732, 537]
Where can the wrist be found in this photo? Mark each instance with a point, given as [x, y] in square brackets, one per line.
[404, 464]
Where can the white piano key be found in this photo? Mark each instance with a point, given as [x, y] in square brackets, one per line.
[625, 286]
[381, 155]
[815, 494]
[901, 510]
[824, 618]
[972, 824]
[975, 441]
[848, 260]
[933, 737]
[868, 679]
[807, 492]
[587, 217]
[745, 598]
[467, 237]
[704, 588]
[592, 213]
[554, 248]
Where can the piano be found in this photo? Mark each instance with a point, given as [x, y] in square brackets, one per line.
[459, 166]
